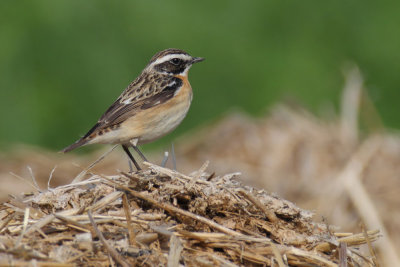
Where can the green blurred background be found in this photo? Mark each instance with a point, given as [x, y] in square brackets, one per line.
[62, 63]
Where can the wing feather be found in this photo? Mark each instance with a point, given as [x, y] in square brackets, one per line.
[150, 94]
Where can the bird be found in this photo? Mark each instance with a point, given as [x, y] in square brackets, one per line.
[153, 105]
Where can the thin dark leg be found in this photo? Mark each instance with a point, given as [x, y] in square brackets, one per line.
[126, 149]
[130, 166]
[140, 153]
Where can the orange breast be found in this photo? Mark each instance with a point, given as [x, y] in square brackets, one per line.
[186, 90]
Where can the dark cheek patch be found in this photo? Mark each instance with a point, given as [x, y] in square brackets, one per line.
[160, 67]
[170, 68]
[179, 70]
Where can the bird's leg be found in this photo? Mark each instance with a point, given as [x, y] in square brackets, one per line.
[130, 166]
[133, 144]
[139, 152]
[126, 149]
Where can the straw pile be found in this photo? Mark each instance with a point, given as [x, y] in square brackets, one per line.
[162, 217]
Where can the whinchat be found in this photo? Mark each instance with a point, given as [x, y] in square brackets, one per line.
[153, 105]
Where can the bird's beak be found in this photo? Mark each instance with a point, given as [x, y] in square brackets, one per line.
[197, 59]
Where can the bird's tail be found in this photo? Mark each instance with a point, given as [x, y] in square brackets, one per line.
[77, 144]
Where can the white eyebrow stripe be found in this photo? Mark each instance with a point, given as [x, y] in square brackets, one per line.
[169, 57]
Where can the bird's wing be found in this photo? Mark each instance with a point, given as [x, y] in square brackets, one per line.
[143, 93]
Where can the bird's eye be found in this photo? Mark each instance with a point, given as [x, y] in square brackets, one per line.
[176, 61]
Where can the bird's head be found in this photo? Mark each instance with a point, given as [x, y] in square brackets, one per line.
[172, 62]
